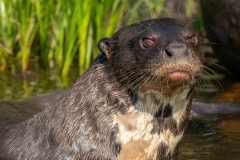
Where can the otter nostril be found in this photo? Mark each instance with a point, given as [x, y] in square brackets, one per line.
[168, 53]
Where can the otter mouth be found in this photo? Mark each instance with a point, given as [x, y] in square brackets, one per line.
[178, 75]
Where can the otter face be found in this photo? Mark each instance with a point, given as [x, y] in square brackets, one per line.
[157, 51]
[157, 62]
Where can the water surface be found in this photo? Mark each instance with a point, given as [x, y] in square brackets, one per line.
[212, 139]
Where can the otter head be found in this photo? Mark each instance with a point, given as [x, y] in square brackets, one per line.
[161, 54]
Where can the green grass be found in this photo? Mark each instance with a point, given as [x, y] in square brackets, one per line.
[62, 33]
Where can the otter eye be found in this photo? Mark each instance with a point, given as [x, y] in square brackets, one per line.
[192, 39]
[147, 42]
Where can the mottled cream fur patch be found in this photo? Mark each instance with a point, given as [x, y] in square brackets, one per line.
[136, 124]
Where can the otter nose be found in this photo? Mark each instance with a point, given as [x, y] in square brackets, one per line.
[176, 49]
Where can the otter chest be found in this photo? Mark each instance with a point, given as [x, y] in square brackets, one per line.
[146, 130]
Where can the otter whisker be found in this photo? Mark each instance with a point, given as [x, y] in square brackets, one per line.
[192, 22]
[210, 85]
[207, 81]
[133, 77]
[129, 73]
[212, 43]
[217, 65]
[179, 10]
[199, 84]
[212, 71]
[138, 80]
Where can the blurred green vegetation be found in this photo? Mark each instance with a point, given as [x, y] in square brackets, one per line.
[56, 33]
[46, 44]
[192, 13]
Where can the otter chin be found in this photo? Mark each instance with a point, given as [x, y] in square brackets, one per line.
[133, 102]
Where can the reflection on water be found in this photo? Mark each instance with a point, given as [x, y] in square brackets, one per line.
[231, 93]
[218, 139]
[18, 86]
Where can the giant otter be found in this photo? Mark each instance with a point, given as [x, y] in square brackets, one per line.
[132, 103]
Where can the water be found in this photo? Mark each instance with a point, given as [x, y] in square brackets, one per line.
[218, 138]
[19, 86]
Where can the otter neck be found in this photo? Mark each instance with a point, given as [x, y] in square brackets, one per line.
[153, 127]
[153, 99]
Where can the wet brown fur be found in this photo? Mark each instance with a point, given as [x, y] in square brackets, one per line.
[123, 106]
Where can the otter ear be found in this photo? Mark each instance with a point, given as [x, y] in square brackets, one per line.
[105, 45]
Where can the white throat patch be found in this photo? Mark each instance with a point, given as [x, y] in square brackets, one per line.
[136, 125]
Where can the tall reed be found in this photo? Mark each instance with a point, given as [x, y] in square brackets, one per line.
[62, 32]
